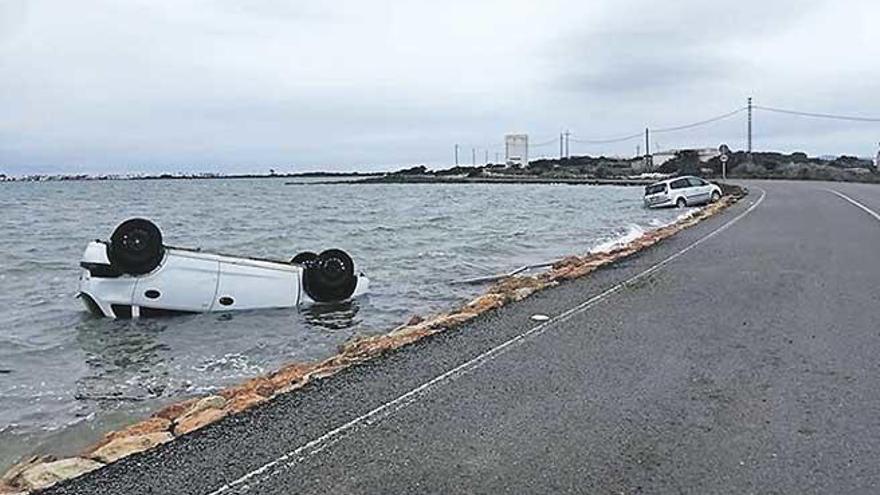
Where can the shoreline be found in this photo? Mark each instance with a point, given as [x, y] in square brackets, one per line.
[196, 176]
[427, 179]
[178, 419]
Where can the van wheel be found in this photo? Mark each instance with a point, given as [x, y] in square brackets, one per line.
[136, 247]
[715, 196]
[681, 203]
[330, 276]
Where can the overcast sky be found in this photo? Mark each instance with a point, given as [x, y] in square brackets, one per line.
[229, 85]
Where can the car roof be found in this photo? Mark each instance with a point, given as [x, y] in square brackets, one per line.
[666, 181]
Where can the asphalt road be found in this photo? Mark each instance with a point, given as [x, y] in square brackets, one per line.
[746, 363]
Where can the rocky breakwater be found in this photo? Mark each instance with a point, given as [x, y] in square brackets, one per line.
[181, 418]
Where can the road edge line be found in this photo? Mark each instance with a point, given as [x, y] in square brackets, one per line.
[855, 203]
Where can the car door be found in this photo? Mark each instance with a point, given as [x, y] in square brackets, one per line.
[251, 284]
[680, 187]
[699, 189]
[184, 282]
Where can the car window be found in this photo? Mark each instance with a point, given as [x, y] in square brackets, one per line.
[679, 184]
[696, 182]
[655, 188]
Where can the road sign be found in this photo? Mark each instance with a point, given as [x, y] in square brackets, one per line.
[724, 157]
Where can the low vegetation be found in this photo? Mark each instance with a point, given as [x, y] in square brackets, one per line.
[758, 165]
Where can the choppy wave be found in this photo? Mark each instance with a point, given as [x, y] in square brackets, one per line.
[632, 233]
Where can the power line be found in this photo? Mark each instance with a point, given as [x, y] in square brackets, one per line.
[699, 123]
[606, 141]
[818, 115]
[545, 143]
[564, 138]
[662, 129]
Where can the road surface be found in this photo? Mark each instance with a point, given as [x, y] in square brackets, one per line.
[740, 356]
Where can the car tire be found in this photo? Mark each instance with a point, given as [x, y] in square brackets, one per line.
[330, 276]
[680, 203]
[715, 197]
[136, 247]
[304, 258]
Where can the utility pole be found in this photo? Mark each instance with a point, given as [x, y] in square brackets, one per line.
[474, 157]
[647, 149]
[567, 154]
[560, 147]
[750, 128]
[487, 156]
[456, 155]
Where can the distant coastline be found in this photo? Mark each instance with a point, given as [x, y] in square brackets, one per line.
[180, 176]
[572, 170]
[634, 171]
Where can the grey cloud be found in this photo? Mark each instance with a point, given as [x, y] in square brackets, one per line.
[641, 45]
[161, 84]
[627, 62]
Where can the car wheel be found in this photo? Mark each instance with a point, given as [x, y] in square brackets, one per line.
[681, 203]
[330, 276]
[715, 196]
[136, 247]
[304, 258]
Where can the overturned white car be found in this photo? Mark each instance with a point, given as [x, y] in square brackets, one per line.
[135, 275]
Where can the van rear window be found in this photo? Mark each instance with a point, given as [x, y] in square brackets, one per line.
[655, 188]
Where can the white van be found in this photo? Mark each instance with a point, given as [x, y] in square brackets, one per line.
[681, 192]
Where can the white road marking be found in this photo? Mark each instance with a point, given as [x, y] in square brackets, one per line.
[856, 203]
[402, 401]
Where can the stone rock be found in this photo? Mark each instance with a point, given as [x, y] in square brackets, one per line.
[512, 284]
[454, 319]
[364, 348]
[13, 472]
[204, 411]
[47, 474]
[243, 401]
[11, 490]
[373, 346]
[260, 385]
[209, 402]
[406, 335]
[359, 349]
[289, 374]
[198, 419]
[125, 446]
[578, 271]
[485, 303]
[415, 320]
[147, 426]
[566, 262]
[173, 411]
[329, 370]
[519, 288]
[523, 292]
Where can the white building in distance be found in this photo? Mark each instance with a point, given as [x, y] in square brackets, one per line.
[516, 150]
